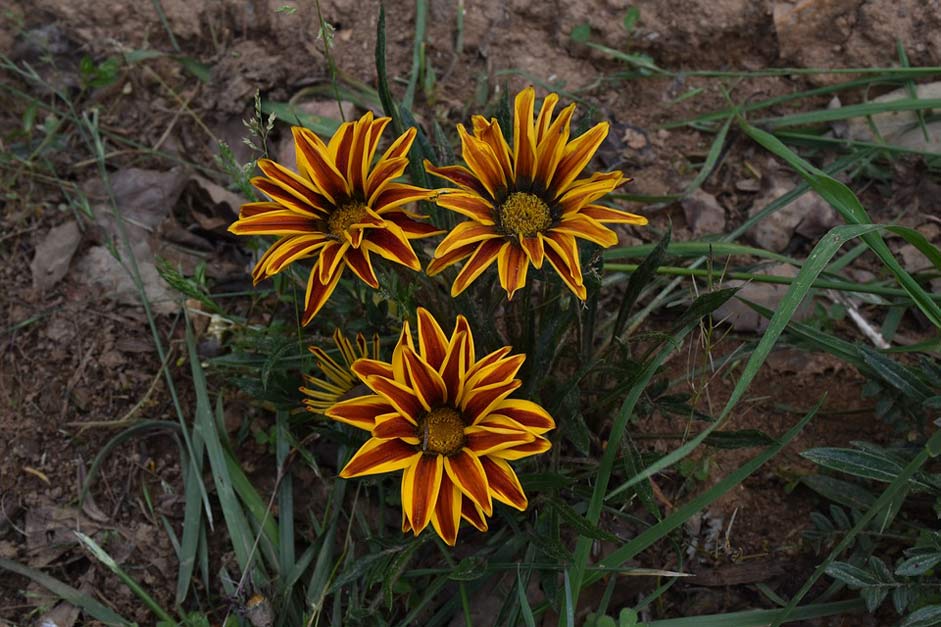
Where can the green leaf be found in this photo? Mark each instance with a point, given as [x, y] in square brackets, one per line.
[579, 523]
[469, 569]
[581, 33]
[874, 597]
[865, 464]
[745, 438]
[640, 278]
[898, 376]
[924, 617]
[902, 598]
[630, 18]
[918, 565]
[852, 576]
[525, 609]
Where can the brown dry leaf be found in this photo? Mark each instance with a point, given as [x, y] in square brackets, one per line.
[53, 255]
[50, 532]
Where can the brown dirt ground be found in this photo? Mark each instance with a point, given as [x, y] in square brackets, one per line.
[73, 356]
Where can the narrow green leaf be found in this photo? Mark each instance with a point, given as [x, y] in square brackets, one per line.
[525, 609]
[639, 280]
[852, 576]
[924, 617]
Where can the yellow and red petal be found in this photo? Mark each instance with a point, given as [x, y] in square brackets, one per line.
[375, 132]
[401, 145]
[545, 116]
[469, 204]
[482, 258]
[427, 384]
[512, 266]
[482, 441]
[463, 234]
[412, 228]
[496, 372]
[538, 446]
[467, 473]
[587, 191]
[459, 175]
[313, 160]
[250, 209]
[331, 256]
[535, 249]
[379, 456]
[421, 483]
[562, 253]
[436, 265]
[285, 251]
[382, 177]
[340, 147]
[527, 413]
[453, 366]
[397, 195]
[395, 425]
[446, 518]
[551, 146]
[401, 397]
[483, 162]
[577, 154]
[607, 214]
[490, 133]
[503, 483]
[282, 222]
[357, 260]
[477, 402]
[357, 168]
[318, 292]
[461, 325]
[473, 514]
[360, 412]
[432, 342]
[580, 225]
[365, 367]
[392, 244]
[524, 140]
[290, 190]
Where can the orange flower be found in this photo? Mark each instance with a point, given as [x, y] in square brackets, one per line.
[525, 203]
[442, 416]
[339, 210]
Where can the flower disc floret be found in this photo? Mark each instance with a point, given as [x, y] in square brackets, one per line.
[523, 215]
[444, 417]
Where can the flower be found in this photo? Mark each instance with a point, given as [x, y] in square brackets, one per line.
[444, 418]
[525, 204]
[338, 380]
[339, 209]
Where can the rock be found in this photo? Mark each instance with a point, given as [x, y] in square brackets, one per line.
[809, 216]
[703, 213]
[102, 269]
[900, 128]
[54, 254]
[768, 295]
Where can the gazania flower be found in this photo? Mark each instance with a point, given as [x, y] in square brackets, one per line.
[526, 204]
[340, 209]
[338, 380]
[444, 418]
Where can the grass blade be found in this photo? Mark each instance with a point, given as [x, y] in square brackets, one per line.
[192, 519]
[761, 618]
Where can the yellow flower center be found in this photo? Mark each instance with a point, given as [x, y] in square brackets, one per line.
[441, 431]
[524, 214]
[344, 216]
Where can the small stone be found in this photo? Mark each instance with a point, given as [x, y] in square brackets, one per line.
[703, 213]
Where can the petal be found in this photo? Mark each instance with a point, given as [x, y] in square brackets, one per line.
[392, 244]
[312, 159]
[500, 371]
[330, 257]
[436, 265]
[577, 154]
[274, 223]
[461, 325]
[357, 168]
[397, 195]
[357, 260]
[527, 413]
[420, 485]
[427, 383]
[477, 403]
[382, 176]
[503, 483]
[482, 258]
[545, 116]
[379, 456]
[582, 226]
[288, 189]
[535, 249]
[459, 175]
[463, 234]
[360, 412]
[317, 293]
[401, 145]
[284, 252]
[447, 514]
[401, 397]
[537, 446]
[340, 146]
[482, 160]
[607, 214]
[365, 367]
[250, 209]
[482, 441]
[486, 361]
[551, 146]
[512, 266]
[584, 192]
[453, 367]
[375, 132]
[491, 134]
[562, 254]
[395, 425]
[432, 342]
[524, 140]
[467, 473]
[413, 229]
[473, 514]
[470, 204]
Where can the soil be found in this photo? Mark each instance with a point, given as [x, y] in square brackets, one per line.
[77, 356]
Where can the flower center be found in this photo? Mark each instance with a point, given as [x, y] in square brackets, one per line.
[344, 216]
[524, 214]
[441, 431]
